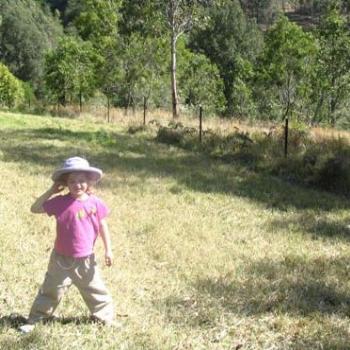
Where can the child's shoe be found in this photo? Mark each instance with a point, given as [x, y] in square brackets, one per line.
[26, 328]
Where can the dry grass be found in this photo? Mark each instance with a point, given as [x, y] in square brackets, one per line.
[208, 255]
[121, 117]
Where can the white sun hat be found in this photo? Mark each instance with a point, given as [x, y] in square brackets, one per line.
[75, 164]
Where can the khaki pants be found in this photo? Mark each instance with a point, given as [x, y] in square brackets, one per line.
[64, 271]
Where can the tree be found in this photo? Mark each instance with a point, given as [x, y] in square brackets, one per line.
[27, 31]
[332, 78]
[200, 82]
[70, 70]
[180, 15]
[152, 76]
[144, 70]
[97, 21]
[285, 63]
[143, 17]
[262, 10]
[11, 89]
[227, 38]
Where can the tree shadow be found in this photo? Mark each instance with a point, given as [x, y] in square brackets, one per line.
[317, 228]
[128, 154]
[293, 286]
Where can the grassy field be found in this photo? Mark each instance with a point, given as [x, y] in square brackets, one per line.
[207, 255]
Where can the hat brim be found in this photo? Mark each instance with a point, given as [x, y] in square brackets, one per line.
[95, 172]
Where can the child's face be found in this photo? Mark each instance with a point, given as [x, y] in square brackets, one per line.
[78, 184]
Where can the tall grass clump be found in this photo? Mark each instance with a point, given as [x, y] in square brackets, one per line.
[320, 163]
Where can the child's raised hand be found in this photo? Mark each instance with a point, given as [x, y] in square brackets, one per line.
[57, 187]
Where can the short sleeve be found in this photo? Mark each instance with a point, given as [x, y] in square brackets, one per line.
[102, 209]
[51, 206]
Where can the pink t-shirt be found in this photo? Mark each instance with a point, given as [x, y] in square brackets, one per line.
[77, 223]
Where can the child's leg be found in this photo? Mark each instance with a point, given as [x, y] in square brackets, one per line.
[93, 290]
[55, 285]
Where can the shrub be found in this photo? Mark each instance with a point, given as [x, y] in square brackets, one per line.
[325, 165]
[169, 136]
[134, 129]
[11, 89]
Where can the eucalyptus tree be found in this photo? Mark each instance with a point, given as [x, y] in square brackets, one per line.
[180, 16]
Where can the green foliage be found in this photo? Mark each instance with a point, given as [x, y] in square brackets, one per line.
[200, 82]
[284, 66]
[331, 77]
[29, 98]
[242, 93]
[11, 89]
[97, 21]
[27, 31]
[142, 17]
[261, 10]
[142, 70]
[228, 38]
[226, 55]
[70, 70]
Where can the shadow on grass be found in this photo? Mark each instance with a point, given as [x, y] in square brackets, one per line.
[311, 290]
[148, 159]
[317, 228]
[12, 320]
[295, 285]
[16, 320]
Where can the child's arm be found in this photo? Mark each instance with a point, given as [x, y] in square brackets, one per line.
[37, 206]
[104, 232]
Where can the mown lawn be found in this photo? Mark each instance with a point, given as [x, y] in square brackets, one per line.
[207, 255]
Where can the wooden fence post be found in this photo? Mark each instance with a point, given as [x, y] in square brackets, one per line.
[200, 123]
[286, 139]
[144, 110]
[108, 108]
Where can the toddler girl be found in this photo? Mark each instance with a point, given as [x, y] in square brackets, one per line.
[80, 218]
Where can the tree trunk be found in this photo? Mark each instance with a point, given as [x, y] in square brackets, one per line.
[332, 109]
[173, 77]
[318, 108]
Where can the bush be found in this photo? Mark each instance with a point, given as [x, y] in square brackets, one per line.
[134, 129]
[170, 136]
[11, 89]
[334, 174]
